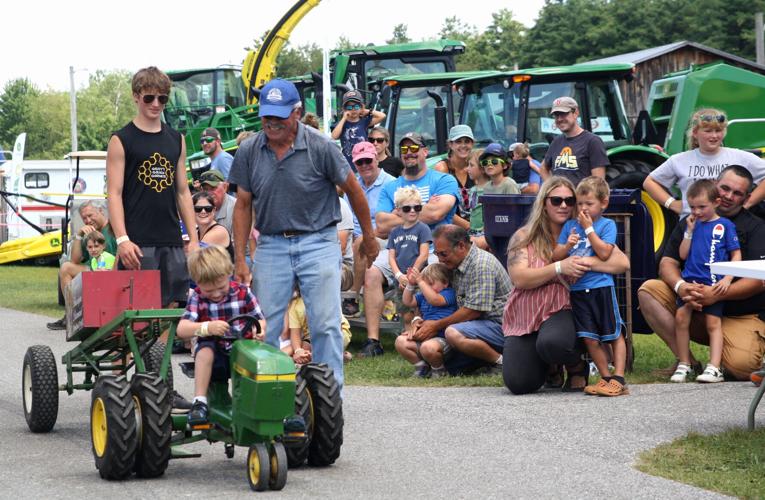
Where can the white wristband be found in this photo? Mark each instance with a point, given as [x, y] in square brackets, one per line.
[399, 274]
[557, 268]
[677, 285]
[78, 237]
[416, 318]
[203, 332]
[122, 239]
[410, 288]
[687, 235]
[669, 202]
[589, 231]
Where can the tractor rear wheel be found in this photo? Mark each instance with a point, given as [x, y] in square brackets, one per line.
[258, 467]
[278, 458]
[326, 437]
[153, 403]
[297, 453]
[113, 427]
[153, 362]
[39, 388]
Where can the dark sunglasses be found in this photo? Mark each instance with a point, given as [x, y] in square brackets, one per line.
[492, 161]
[149, 98]
[353, 107]
[408, 208]
[557, 201]
[203, 208]
[363, 161]
[712, 118]
[378, 140]
[414, 148]
[207, 140]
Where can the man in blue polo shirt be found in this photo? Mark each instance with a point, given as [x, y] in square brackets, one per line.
[288, 173]
[439, 193]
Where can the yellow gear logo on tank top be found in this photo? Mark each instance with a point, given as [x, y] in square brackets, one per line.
[157, 173]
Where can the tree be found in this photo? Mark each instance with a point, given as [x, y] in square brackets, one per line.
[455, 29]
[103, 107]
[299, 60]
[499, 46]
[48, 131]
[399, 34]
[15, 113]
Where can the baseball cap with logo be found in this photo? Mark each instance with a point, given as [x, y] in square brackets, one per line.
[212, 178]
[278, 98]
[211, 132]
[364, 150]
[493, 149]
[353, 96]
[459, 131]
[414, 137]
[564, 105]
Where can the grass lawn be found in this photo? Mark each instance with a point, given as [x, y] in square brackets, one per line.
[30, 288]
[732, 463]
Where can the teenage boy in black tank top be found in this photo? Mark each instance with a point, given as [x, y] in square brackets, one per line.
[147, 189]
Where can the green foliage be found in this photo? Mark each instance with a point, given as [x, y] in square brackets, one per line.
[48, 130]
[15, 113]
[399, 34]
[103, 107]
[299, 60]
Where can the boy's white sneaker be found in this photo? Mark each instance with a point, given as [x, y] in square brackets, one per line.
[711, 375]
[681, 373]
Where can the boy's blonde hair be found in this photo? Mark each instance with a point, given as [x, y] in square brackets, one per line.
[95, 237]
[209, 264]
[523, 150]
[437, 272]
[406, 193]
[594, 185]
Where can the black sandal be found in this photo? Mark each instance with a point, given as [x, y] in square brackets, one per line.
[583, 370]
[554, 378]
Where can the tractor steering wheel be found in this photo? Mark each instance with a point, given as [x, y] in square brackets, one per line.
[237, 334]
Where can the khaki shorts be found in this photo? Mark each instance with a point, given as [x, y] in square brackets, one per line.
[743, 336]
[346, 276]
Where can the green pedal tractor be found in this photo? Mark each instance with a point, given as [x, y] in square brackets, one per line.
[283, 418]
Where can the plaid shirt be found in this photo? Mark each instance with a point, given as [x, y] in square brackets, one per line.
[239, 300]
[482, 284]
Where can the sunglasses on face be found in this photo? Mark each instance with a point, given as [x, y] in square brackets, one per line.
[363, 161]
[207, 140]
[352, 107]
[408, 208]
[712, 118]
[492, 161]
[203, 208]
[414, 148]
[149, 98]
[557, 201]
[378, 140]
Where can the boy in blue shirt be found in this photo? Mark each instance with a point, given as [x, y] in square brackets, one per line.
[354, 124]
[593, 298]
[708, 238]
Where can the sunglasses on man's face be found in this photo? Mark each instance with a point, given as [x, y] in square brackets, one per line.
[203, 208]
[492, 161]
[149, 98]
[712, 118]
[408, 208]
[363, 161]
[353, 107]
[378, 140]
[414, 148]
[207, 140]
[557, 201]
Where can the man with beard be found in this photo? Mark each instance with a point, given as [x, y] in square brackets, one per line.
[439, 194]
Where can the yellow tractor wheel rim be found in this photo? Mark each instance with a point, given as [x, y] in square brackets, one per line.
[253, 465]
[657, 216]
[98, 427]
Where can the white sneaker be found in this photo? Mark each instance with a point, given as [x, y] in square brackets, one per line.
[711, 375]
[681, 373]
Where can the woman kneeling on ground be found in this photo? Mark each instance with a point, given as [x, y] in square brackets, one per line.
[538, 325]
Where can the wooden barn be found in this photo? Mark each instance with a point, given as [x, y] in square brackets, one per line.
[651, 64]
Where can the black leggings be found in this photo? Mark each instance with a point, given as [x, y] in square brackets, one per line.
[526, 359]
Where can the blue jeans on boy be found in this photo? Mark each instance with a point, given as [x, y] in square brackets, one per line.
[313, 259]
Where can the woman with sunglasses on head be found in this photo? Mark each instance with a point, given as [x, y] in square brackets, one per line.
[460, 145]
[210, 232]
[705, 160]
[495, 165]
[380, 137]
[354, 124]
[537, 323]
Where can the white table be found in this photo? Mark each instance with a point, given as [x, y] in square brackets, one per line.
[745, 269]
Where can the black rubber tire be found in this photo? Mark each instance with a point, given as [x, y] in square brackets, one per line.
[258, 467]
[39, 388]
[278, 458]
[326, 437]
[112, 396]
[153, 403]
[297, 453]
[152, 361]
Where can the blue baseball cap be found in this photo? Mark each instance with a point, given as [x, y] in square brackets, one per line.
[493, 149]
[278, 98]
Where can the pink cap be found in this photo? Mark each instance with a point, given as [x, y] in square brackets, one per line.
[364, 150]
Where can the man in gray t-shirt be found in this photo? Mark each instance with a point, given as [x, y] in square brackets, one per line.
[288, 173]
[576, 153]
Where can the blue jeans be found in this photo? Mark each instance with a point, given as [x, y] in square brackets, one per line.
[313, 259]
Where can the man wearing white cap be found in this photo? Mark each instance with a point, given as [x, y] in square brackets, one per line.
[575, 153]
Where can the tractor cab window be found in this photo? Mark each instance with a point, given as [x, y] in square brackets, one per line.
[492, 113]
[230, 89]
[416, 113]
[607, 118]
[540, 126]
[191, 100]
[377, 69]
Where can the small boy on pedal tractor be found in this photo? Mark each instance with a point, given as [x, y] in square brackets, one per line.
[215, 300]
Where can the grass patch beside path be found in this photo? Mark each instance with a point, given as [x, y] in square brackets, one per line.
[732, 463]
[31, 289]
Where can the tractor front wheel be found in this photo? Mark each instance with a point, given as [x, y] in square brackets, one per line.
[258, 467]
[39, 388]
[153, 403]
[278, 457]
[113, 427]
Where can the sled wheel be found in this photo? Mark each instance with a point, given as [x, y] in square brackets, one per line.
[153, 403]
[113, 427]
[258, 467]
[39, 388]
